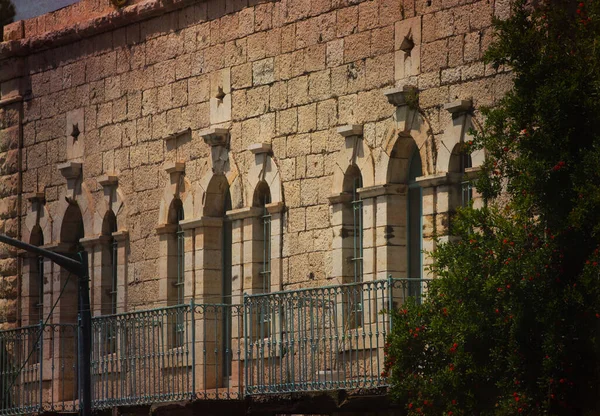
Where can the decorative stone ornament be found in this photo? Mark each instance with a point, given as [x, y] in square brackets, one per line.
[405, 95]
[218, 140]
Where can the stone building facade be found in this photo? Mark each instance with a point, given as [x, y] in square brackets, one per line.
[203, 149]
[108, 115]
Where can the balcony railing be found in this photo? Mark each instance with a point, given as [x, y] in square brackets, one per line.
[316, 339]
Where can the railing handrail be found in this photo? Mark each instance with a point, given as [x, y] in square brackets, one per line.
[164, 308]
[37, 326]
[308, 289]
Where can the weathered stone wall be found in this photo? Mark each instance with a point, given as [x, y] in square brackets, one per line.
[287, 73]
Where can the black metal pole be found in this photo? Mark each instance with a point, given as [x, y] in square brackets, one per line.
[84, 333]
[85, 340]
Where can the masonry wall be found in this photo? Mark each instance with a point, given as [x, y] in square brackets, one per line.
[285, 73]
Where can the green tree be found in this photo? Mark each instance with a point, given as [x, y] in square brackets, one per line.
[512, 325]
[7, 14]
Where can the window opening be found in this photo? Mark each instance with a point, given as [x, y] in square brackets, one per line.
[415, 226]
[466, 187]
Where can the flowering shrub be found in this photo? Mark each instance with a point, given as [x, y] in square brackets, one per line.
[511, 325]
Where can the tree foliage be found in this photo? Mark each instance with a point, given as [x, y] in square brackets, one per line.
[7, 14]
[512, 325]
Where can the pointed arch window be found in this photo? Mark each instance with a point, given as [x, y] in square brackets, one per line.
[176, 271]
[414, 225]
[466, 187]
[261, 198]
[35, 309]
[109, 277]
[354, 302]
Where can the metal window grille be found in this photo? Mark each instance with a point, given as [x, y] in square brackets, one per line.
[39, 305]
[179, 285]
[226, 265]
[466, 188]
[265, 315]
[40, 277]
[111, 334]
[356, 301]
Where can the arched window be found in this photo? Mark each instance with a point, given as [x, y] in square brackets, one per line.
[460, 163]
[34, 312]
[109, 277]
[176, 272]
[352, 183]
[36, 279]
[217, 266]
[353, 224]
[414, 224]
[261, 198]
[70, 235]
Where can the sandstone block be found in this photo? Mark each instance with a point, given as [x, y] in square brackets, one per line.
[263, 71]
[357, 46]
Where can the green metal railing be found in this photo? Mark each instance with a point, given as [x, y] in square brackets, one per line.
[314, 342]
[46, 383]
[147, 367]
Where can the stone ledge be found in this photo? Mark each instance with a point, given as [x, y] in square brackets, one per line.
[11, 100]
[38, 197]
[433, 180]
[275, 207]
[108, 180]
[70, 170]
[166, 229]
[178, 134]
[201, 222]
[242, 213]
[120, 235]
[340, 198]
[215, 136]
[174, 167]
[458, 107]
[381, 190]
[350, 130]
[400, 96]
[259, 148]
